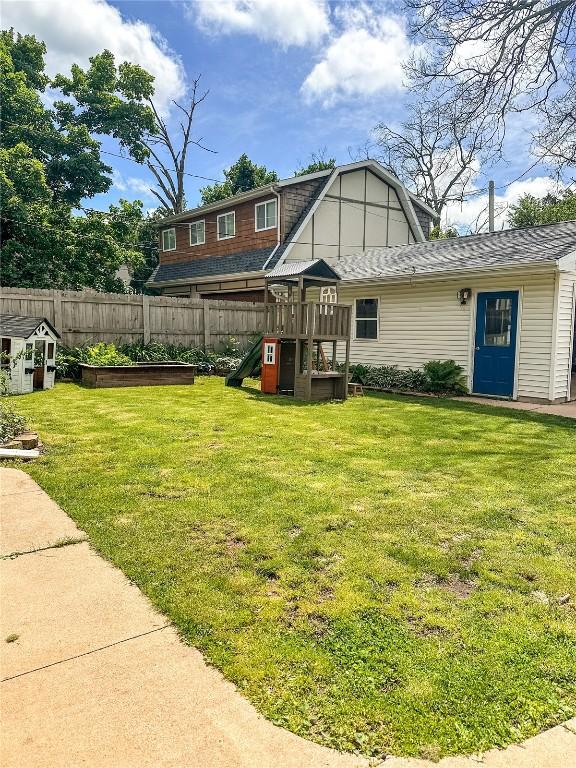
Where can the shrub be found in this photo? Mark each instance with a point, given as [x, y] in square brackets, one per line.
[438, 376]
[445, 376]
[11, 423]
[68, 359]
[4, 383]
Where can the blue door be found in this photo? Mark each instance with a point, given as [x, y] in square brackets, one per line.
[495, 344]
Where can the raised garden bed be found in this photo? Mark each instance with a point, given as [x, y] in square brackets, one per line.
[138, 375]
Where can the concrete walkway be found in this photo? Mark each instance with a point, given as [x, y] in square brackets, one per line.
[568, 410]
[97, 678]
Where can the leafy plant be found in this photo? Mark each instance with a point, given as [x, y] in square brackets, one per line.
[11, 423]
[445, 376]
[4, 383]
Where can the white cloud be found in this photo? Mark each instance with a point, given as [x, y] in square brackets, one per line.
[472, 215]
[288, 22]
[363, 59]
[74, 30]
[131, 184]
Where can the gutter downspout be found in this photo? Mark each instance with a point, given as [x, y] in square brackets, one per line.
[275, 191]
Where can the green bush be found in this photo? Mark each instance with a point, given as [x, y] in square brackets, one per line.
[445, 376]
[68, 359]
[437, 376]
[11, 423]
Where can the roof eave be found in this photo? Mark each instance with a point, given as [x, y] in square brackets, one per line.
[225, 277]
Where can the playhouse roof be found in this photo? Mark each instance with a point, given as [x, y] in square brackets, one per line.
[22, 326]
[317, 268]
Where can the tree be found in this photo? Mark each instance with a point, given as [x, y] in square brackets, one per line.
[50, 162]
[494, 58]
[240, 177]
[549, 209]
[434, 152]
[318, 162]
[170, 175]
[442, 234]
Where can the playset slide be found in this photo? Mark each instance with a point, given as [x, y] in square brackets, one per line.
[250, 365]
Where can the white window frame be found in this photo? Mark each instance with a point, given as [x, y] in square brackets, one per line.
[377, 318]
[265, 203]
[192, 223]
[269, 353]
[164, 232]
[221, 216]
[329, 294]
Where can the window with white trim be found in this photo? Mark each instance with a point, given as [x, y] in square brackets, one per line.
[269, 353]
[197, 233]
[226, 225]
[328, 294]
[169, 239]
[266, 215]
[366, 318]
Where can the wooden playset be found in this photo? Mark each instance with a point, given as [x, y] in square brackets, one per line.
[291, 354]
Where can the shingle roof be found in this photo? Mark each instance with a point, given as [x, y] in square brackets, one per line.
[511, 247]
[22, 326]
[244, 261]
[315, 268]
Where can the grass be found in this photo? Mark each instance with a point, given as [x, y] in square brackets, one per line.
[386, 575]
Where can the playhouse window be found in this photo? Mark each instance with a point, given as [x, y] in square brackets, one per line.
[265, 215]
[29, 351]
[6, 349]
[269, 354]
[50, 354]
[366, 318]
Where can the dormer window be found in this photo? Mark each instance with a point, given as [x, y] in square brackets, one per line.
[169, 239]
[266, 215]
[226, 225]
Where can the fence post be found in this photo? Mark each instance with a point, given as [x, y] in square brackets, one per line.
[146, 317]
[206, 316]
[57, 309]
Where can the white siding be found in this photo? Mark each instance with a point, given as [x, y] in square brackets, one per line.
[358, 211]
[422, 321]
[564, 334]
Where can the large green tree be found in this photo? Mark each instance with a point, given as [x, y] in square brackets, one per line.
[240, 177]
[50, 162]
[549, 209]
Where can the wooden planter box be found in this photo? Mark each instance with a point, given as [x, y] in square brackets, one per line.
[138, 375]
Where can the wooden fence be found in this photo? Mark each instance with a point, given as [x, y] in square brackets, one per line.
[86, 317]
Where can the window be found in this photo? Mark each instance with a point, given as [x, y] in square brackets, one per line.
[197, 233]
[366, 318]
[265, 215]
[498, 323]
[29, 351]
[269, 354]
[6, 350]
[328, 295]
[169, 239]
[226, 225]
[50, 353]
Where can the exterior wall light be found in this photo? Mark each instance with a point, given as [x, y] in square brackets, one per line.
[464, 295]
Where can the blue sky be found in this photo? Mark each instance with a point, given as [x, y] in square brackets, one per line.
[286, 78]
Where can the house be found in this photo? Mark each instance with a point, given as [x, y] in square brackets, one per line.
[502, 305]
[224, 249]
[28, 352]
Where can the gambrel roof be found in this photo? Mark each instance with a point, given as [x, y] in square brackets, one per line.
[22, 326]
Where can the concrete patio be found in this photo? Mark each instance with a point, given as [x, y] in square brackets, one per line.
[92, 675]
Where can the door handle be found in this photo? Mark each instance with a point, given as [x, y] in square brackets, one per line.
[477, 349]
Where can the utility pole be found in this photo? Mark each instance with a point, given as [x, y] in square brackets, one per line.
[490, 206]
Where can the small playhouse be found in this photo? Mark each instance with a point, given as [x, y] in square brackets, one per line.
[28, 352]
[303, 330]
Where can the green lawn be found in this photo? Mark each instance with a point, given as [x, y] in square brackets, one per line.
[381, 575]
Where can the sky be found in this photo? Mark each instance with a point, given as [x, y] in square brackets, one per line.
[286, 78]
